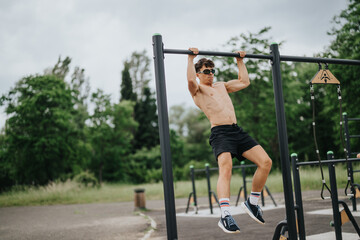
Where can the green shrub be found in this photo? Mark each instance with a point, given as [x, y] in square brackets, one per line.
[86, 179]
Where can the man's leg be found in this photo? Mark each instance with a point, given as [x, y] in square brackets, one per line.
[226, 223]
[258, 156]
[263, 162]
[225, 171]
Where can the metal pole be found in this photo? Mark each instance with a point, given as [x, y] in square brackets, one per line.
[269, 57]
[164, 137]
[351, 171]
[192, 172]
[209, 186]
[243, 171]
[334, 197]
[283, 142]
[298, 196]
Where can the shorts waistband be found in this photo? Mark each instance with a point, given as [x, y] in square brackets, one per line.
[230, 126]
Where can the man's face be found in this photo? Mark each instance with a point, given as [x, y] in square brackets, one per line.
[206, 75]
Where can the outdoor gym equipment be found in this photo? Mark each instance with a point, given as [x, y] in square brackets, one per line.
[325, 77]
[212, 195]
[350, 152]
[339, 217]
[275, 59]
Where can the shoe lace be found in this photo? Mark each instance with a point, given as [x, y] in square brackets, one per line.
[259, 211]
[230, 221]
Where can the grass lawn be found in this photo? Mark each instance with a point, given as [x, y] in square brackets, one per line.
[70, 192]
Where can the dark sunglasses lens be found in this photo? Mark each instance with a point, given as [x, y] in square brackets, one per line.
[208, 71]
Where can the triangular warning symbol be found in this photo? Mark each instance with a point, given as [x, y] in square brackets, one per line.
[324, 76]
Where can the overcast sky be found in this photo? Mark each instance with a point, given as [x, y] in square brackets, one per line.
[100, 35]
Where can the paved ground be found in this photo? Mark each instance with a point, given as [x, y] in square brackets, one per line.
[118, 221]
[206, 228]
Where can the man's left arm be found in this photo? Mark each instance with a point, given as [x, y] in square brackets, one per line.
[243, 76]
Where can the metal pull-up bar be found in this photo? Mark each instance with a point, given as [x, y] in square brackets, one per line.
[283, 58]
[275, 58]
[219, 54]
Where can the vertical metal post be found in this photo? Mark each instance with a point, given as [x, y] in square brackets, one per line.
[334, 197]
[283, 142]
[192, 173]
[298, 196]
[164, 137]
[350, 167]
[243, 172]
[207, 170]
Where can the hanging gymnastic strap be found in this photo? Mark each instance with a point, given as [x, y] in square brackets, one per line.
[324, 185]
[349, 182]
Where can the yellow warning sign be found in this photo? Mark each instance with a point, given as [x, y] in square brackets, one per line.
[324, 76]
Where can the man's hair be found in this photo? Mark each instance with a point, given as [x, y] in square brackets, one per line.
[204, 62]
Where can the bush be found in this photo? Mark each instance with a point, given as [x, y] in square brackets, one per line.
[86, 179]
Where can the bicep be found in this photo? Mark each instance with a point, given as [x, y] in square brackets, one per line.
[235, 85]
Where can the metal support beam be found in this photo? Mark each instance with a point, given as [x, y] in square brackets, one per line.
[283, 142]
[163, 119]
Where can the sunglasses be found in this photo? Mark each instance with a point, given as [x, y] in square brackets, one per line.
[208, 71]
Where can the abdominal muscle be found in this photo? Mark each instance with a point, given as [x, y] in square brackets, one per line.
[216, 104]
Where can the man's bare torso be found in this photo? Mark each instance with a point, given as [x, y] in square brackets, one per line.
[215, 102]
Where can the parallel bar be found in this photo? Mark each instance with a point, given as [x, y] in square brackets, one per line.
[234, 167]
[327, 161]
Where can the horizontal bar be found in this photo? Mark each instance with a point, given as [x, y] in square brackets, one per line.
[220, 54]
[215, 169]
[354, 136]
[268, 57]
[354, 119]
[319, 60]
[244, 166]
[327, 161]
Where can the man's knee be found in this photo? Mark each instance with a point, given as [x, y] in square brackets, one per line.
[267, 163]
[225, 163]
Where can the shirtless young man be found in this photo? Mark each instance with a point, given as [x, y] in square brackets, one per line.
[227, 139]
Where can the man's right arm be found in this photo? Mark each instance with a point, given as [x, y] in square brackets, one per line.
[191, 73]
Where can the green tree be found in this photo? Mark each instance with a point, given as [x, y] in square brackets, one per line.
[40, 131]
[254, 106]
[139, 69]
[346, 45]
[7, 178]
[111, 135]
[126, 91]
[147, 134]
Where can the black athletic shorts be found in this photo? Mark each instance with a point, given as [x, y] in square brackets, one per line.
[230, 138]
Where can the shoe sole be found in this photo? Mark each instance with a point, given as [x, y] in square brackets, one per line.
[227, 231]
[250, 213]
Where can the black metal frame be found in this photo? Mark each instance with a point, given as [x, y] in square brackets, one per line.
[349, 151]
[275, 58]
[334, 194]
[211, 193]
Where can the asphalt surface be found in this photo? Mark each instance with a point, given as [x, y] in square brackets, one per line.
[110, 221]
